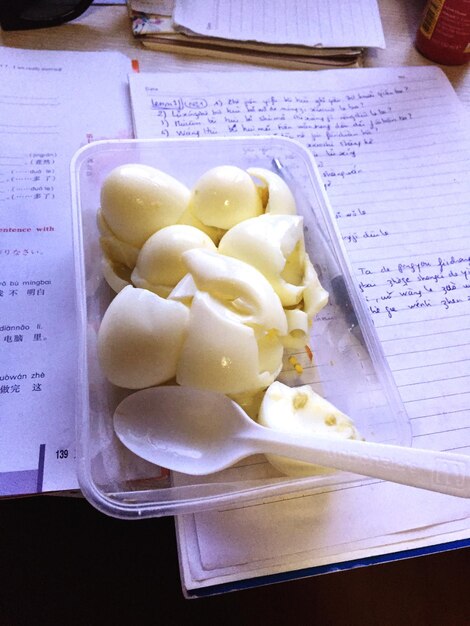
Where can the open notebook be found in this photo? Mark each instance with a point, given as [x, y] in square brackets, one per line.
[393, 148]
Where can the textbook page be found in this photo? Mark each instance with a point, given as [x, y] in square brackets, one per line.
[323, 23]
[51, 104]
[393, 149]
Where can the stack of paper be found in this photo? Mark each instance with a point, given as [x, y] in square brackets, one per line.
[312, 34]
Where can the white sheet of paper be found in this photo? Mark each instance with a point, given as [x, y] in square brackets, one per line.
[51, 103]
[152, 7]
[313, 530]
[327, 23]
[393, 148]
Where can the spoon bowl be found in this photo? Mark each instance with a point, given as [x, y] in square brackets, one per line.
[201, 432]
[184, 429]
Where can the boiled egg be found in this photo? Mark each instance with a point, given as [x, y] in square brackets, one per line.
[221, 353]
[160, 265]
[140, 338]
[137, 200]
[301, 410]
[233, 340]
[239, 287]
[224, 196]
[274, 244]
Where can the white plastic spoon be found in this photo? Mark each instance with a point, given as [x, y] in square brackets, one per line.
[201, 432]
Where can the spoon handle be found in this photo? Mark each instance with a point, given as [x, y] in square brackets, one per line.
[444, 472]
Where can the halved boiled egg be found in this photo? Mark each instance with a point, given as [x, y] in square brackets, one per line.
[140, 338]
[301, 410]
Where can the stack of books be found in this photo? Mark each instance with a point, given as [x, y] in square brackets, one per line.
[315, 35]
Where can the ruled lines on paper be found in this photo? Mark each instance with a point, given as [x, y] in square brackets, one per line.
[390, 148]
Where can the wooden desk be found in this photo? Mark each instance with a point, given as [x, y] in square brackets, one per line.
[63, 562]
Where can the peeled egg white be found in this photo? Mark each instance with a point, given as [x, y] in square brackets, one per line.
[315, 296]
[191, 220]
[299, 318]
[298, 329]
[224, 196]
[160, 265]
[222, 354]
[241, 288]
[114, 249]
[301, 410]
[137, 200]
[280, 199]
[118, 259]
[274, 244]
[116, 275]
[140, 338]
[233, 342]
[184, 291]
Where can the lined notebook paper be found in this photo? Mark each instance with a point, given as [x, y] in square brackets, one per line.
[327, 23]
[393, 148]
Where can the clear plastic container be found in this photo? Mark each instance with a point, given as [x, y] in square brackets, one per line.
[348, 366]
